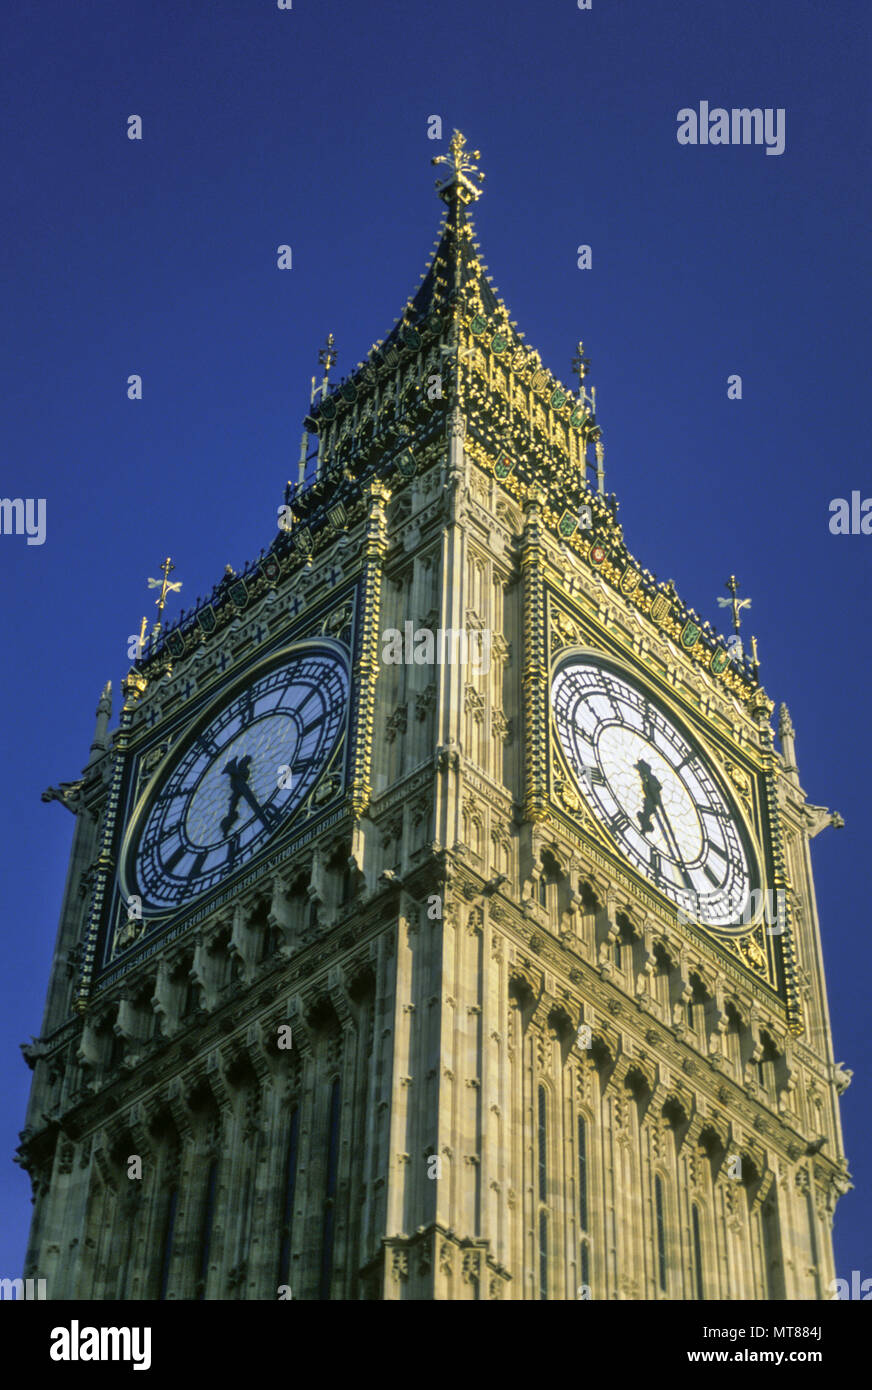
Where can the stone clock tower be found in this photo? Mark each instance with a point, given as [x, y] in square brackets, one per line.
[440, 920]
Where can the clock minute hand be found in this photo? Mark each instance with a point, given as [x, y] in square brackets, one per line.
[671, 839]
[256, 807]
[654, 802]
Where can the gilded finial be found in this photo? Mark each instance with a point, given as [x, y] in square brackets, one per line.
[581, 367]
[327, 355]
[464, 173]
[166, 586]
[734, 602]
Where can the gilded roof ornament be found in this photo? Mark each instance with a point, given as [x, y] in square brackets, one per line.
[734, 602]
[465, 174]
[166, 586]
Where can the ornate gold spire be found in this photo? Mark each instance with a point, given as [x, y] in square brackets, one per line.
[465, 175]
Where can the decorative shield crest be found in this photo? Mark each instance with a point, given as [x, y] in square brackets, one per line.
[411, 337]
[406, 463]
[558, 399]
[539, 380]
[303, 540]
[270, 568]
[348, 391]
[503, 466]
[660, 608]
[477, 325]
[720, 660]
[338, 516]
[175, 644]
[239, 593]
[392, 357]
[499, 343]
[597, 555]
[567, 524]
[328, 409]
[690, 634]
[578, 417]
[630, 579]
[206, 618]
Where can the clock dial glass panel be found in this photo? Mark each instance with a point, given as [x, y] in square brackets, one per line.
[239, 778]
[647, 782]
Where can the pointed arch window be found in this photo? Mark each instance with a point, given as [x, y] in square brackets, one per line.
[582, 1173]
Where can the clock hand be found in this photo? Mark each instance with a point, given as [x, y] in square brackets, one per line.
[668, 833]
[651, 793]
[256, 807]
[238, 772]
[654, 802]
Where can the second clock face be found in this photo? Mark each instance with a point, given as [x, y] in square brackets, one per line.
[235, 781]
[647, 781]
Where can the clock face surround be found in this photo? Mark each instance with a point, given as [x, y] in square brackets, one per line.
[237, 778]
[646, 780]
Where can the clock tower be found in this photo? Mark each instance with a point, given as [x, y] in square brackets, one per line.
[440, 920]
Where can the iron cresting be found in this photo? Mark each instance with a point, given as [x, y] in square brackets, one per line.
[75, 1343]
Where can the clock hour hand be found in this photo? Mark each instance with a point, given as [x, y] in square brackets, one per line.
[238, 772]
[651, 793]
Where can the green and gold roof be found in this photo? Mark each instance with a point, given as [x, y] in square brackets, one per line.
[455, 346]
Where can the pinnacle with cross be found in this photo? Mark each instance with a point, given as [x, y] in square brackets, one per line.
[166, 586]
[736, 603]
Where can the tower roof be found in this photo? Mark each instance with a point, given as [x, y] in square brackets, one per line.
[455, 349]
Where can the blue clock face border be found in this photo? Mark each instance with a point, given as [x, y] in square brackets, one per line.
[231, 789]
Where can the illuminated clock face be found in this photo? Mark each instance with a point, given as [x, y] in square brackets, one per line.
[238, 778]
[649, 784]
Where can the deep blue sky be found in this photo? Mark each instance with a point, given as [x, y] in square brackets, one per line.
[309, 127]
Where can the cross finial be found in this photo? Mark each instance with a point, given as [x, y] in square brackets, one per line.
[465, 175]
[581, 367]
[166, 587]
[327, 354]
[734, 602]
